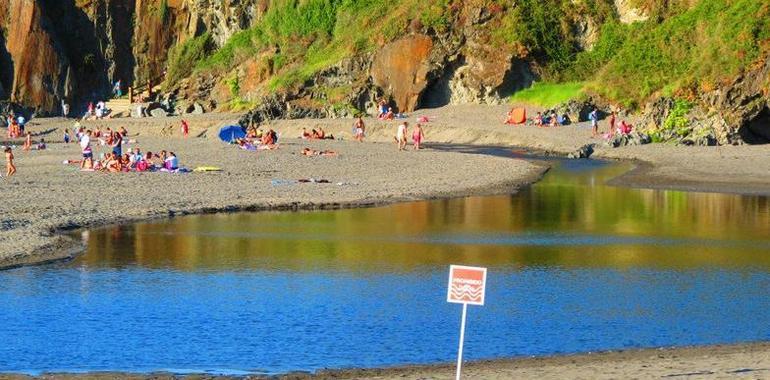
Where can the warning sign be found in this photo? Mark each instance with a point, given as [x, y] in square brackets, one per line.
[466, 285]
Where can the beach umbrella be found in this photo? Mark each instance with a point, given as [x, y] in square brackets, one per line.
[231, 132]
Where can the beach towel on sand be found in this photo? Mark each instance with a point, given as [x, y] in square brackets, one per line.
[207, 169]
[518, 116]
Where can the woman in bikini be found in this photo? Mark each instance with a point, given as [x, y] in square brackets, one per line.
[417, 136]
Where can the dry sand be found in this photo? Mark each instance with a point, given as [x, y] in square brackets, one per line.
[733, 169]
[47, 197]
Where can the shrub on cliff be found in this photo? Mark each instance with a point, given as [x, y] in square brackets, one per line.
[183, 57]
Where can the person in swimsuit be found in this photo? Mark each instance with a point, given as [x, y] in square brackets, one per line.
[10, 167]
[417, 136]
[359, 130]
[401, 135]
[27, 142]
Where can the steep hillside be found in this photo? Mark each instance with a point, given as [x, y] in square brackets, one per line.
[696, 69]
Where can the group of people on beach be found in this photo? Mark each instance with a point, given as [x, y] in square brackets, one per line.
[256, 139]
[116, 161]
[402, 131]
[613, 129]
[315, 134]
[15, 126]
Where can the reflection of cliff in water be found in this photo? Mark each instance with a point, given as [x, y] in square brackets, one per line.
[569, 219]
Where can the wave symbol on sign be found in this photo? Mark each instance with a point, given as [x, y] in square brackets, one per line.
[467, 292]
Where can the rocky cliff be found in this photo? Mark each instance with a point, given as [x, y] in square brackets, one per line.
[284, 58]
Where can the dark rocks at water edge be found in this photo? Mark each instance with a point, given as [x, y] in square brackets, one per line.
[584, 152]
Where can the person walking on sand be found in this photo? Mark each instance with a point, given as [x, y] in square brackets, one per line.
[594, 117]
[401, 135]
[185, 128]
[88, 155]
[27, 142]
[417, 136]
[359, 129]
[10, 167]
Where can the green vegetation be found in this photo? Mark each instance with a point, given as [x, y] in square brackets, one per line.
[685, 46]
[695, 49]
[676, 124]
[305, 37]
[183, 57]
[163, 10]
[549, 94]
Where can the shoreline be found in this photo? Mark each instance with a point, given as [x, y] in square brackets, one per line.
[702, 360]
[360, 176]
[71, 248]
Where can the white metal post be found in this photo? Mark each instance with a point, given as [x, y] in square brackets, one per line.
[462, 339]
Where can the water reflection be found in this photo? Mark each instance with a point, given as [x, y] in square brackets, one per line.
[570, 220]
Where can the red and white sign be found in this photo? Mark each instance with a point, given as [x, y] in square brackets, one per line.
[466, 285]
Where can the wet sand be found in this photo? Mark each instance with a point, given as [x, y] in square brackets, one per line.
[748, 361]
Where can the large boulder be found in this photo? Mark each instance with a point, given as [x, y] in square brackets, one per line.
[401, 69]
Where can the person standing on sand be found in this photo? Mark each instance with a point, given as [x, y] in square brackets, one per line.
[27, 142]
[88, 155]
[65, 109]
[185, 128]
[117, 144]
[10, 167]
[594, 117]
[612, 124]
[417, 136]
[359, 129]
[401, 135]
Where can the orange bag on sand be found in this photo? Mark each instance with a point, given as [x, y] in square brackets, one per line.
[518, 116]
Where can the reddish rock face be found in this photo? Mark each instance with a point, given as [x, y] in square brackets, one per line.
[39, 70]
[401, 69]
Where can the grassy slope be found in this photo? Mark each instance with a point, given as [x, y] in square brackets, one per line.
[679, 48]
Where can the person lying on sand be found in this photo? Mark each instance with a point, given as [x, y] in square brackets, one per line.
[312, 152]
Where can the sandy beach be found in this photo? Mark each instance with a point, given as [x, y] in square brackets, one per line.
[47, 196]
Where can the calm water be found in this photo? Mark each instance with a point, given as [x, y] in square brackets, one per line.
[574, 266]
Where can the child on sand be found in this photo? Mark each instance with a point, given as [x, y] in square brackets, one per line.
[417, 136]
[10, 167]
[66, 136]
[185, 128]
[401, 135]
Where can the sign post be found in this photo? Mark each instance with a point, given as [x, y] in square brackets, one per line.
[467, 286]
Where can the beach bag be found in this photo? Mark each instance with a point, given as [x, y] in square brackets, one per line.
[141, 166]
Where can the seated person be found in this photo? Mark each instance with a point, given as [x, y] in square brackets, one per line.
[625, 128]
[41, 145]
[539, 119]
[171, 162]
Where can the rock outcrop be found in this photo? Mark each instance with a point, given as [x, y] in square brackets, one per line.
[401, 68]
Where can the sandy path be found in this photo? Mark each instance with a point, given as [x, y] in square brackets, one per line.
[46, 196]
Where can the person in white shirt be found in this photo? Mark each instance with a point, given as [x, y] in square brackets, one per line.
[401, 135]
